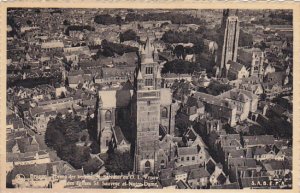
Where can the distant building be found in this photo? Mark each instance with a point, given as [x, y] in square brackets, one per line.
[231, 39]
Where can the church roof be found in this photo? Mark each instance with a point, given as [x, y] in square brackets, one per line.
[187, 150]
[198, 173]
[235, 66]
[115, 98]
[119, 136]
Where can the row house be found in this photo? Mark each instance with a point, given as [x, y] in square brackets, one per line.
[115, 75]
[193, 109]
[218, 108]
[245, 101]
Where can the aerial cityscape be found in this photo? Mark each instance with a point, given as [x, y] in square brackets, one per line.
[149, 98]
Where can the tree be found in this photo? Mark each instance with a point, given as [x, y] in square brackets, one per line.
[119, 20]
[109, 49]
[118, 162]
[54, 138]
[216, 88]
[128, 35]
[95, 148]
[66, 22]
[29, 22]
[106, 19]
[245, 39]
[92, 166]
[180, 67]
[62, 135]
[182, 123]
[179, 51]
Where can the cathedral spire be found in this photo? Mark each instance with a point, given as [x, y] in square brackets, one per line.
[147, 52]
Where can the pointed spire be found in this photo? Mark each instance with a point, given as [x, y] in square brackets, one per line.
[158, 74]
[139, 77]
[148, 52]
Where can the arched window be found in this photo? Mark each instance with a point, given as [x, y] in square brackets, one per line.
[107, 116]
[164, 112]
[147, 166]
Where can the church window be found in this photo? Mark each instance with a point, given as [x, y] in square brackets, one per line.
[107, 116]
[164, 112]
[148, 103]
[182, 158]
[193, 158]
[187, 158]
[148, 82]
[149, 70]
[147, 166]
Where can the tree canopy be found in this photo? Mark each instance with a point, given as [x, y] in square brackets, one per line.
[176, 18]
[245, 39]
[109, 49]
[118, 162]
[185, 37]
[106, 19]
[180, 67]
[128, 35]
[63, 134]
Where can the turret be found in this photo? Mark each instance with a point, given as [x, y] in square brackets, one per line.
[158, 79]
[140, 81]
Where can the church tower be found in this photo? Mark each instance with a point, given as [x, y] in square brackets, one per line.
[257, 68]
[231, 39]
[147, 110]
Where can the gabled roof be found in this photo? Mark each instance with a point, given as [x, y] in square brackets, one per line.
[230, 140]
[242, 162]
[260, 151]
[191, 134]
[259, 140]
[198, 173]
[235, 66]
[182, 185]
[187, 151]
[27, 144]
[274, 165]
[119, 136]
[43, 169]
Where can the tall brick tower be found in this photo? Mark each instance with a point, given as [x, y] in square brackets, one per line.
[231, 39]
[146, 108]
